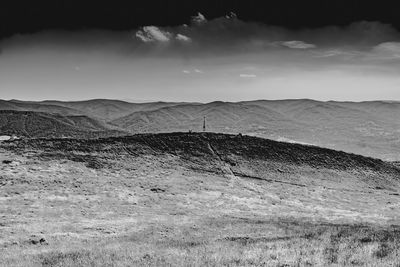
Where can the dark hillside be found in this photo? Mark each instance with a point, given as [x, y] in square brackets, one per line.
[244, 156]
[37, 107]
[39, 124]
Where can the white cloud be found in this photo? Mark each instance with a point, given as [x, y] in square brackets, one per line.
[192, 71]
[337, 53]
[231, 15]
[387, 50]
[149, 34]
[329, 53]
[247, 75]
[153, 34]
[183, 38]
[298, 45]
[199, 19]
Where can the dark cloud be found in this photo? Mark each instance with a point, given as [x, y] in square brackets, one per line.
[220, 36]
[225, 57]
[230, 31]
[34, 16]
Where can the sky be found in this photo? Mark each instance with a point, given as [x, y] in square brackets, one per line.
[203, 56]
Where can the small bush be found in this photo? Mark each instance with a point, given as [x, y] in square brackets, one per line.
[383, 251]
[59, 258]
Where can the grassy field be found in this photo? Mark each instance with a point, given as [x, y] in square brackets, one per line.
[228, 242]
[162, 210]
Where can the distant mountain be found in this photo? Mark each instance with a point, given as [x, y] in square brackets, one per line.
[366, 128]
[103, 109]
[106, 109]
[37, 107]
[39, 124]
[221, 117]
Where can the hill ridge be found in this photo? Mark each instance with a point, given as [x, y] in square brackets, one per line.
[225, 146]
[367, 128]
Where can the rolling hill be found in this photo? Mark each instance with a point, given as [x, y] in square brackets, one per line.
[17, 105]
[39, 124]
[232, 155]
[367, 128]
[163, 199]
[106, 109]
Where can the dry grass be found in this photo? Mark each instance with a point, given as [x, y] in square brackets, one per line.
[158, 210]
[232, 242]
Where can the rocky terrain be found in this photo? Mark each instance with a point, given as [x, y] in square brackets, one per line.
[194, 199]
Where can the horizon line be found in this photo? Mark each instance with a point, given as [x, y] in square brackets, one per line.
[196, 102]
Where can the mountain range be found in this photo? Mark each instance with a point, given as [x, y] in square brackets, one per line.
[368, 128]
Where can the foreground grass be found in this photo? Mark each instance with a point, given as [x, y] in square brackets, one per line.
[238, 243]
[167, 210]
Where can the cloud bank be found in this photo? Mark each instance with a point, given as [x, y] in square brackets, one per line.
[223, 58]
[389, 50]
[229, 34]
[223, 36]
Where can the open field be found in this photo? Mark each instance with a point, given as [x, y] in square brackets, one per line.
[194, 200]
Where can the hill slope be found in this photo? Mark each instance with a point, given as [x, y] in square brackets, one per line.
[367, 128]
[194, 199]
[40, 124]
[235, 155]
[17, 105]
[106, 109]
[103, 109]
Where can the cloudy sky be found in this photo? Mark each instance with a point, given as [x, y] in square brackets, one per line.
[223, 58]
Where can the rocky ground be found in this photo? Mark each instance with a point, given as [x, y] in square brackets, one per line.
[194, 200]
